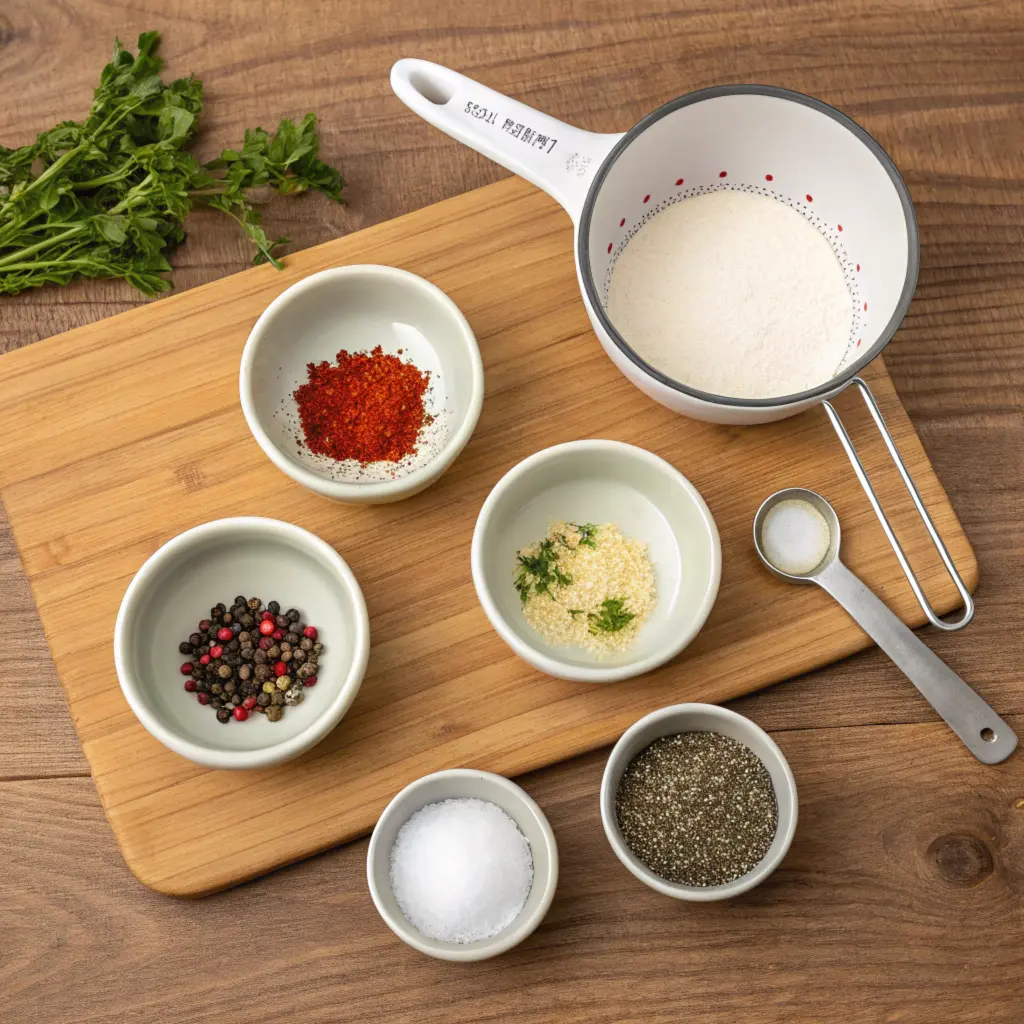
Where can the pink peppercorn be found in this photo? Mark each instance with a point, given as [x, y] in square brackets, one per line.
[249, 703]
[310, 632]
[241, 714]
[204, 659]
[280, 668]
[267, 617]
[224, 634]
[186, 669]
[203, 698]
[190, 685]
[266, 643]
[278, 634]
[309, 681]
[267, 627]
[216, 651]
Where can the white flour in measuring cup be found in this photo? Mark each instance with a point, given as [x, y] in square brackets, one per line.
[734, 294]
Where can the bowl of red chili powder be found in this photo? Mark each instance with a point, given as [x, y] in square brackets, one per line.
[362, 383]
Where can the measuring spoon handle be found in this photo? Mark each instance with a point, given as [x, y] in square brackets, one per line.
[984, 733]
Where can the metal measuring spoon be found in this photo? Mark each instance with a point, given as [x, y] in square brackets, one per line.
[984, 733]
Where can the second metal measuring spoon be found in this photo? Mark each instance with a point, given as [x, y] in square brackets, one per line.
[984, 733]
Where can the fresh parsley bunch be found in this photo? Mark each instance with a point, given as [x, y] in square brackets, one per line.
[107, 197]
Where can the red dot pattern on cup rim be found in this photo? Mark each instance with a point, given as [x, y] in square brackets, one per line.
[865, 307]
[679, 181]
[722, 174]
[809, 197]
[858, 268]
[769, 177]
[609, 246]
[621, 222]
[647, 197]
[839, 226]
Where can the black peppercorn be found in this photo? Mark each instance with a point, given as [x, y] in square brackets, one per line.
[263, 699]
[277, 697]
[247, 621]
[281, 622]
[185, 647]
[263, 673]
[248, 688]
[216, 702]
[244, 637]
[239, 600]
[292, 638]
[318, 647]
[286, 656]
[274, 608]
[223, 716]
[274, 713]
[254, 604]
[236, 627]
[203, 649]
[259, 655]
[285, 646]
[230, 687]
[224, 671]
[244, 672]
[248, 654]
[227, 618]
[204, 625]
[293, 615]
[298, 656]
[273, 653]
[233, 646]
[216, 689]
[306, 644]
[236, 699]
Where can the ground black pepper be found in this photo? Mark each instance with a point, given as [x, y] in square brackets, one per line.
[697, 808]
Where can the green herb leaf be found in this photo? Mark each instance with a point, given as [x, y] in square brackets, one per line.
[540, 572]
[612, 618]
[107, 197]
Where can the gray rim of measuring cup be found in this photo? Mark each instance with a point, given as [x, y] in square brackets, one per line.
[913, 243]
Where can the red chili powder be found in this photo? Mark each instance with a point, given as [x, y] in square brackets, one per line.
[368, 407]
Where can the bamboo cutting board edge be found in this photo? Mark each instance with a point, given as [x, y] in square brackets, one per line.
[582, 736]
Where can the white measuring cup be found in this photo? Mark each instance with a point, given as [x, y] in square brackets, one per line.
[755, 138]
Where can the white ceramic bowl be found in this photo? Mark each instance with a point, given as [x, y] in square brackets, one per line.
[357, 308]
[177, 586]
[452, 784]
[600, 482]
[700, 718]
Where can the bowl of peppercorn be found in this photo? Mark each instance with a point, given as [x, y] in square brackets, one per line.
[242, 642]
[362, 383]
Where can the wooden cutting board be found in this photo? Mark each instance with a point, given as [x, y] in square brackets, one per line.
[119, 435]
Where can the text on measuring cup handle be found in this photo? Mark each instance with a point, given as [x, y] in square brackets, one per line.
[524, 133]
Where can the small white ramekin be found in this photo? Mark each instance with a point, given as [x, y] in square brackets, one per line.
[456, 783]
[357, 308]
[600, 481]
[175, 588]
[700, 718]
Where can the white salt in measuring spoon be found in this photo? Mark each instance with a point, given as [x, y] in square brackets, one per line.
[799, 542]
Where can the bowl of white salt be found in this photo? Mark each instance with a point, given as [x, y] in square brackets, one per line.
[462, 865]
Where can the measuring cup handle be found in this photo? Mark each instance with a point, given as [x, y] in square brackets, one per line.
[554, 156]
[984, 733]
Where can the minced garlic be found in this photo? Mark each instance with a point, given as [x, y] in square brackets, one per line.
[587, 586]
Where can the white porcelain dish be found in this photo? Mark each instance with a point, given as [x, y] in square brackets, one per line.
[600, 481]
[176, 587]
[700, 718]
[357, 308]
[755, 138]
[456, 783]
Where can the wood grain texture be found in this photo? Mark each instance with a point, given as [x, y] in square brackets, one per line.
[941, 84]
[902, 856]
[95, 482]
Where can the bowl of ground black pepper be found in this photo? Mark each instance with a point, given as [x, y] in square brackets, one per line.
[250, 680]
[698, 802]
[362, 383]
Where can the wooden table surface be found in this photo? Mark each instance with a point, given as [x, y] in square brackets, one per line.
[902, 898]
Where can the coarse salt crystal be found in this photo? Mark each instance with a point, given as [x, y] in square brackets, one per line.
[461, 870]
